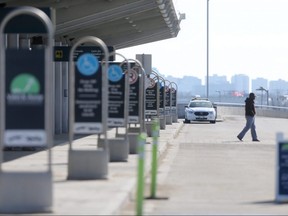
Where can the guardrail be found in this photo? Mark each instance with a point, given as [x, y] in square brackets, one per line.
[238, 109]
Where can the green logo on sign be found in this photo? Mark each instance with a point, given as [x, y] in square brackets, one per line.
[25, 84]
[284, 147]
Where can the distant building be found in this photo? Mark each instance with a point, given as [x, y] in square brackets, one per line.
[215, 79]
[173, 79]
[259, 82]
[278, 87]
[218, 85]
[222, 90]
[190, 84]
[240, 83]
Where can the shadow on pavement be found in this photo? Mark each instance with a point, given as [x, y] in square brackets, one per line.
[12, 153]
[269, 202]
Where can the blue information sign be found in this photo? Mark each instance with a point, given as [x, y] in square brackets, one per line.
[115, 73]
[283, 169]
[87, 64]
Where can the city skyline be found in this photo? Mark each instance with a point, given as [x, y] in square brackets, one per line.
[240, 84]
[211, 75]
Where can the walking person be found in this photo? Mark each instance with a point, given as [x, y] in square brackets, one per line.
[250, 119]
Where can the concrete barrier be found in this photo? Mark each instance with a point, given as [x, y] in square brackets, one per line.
[238, 109]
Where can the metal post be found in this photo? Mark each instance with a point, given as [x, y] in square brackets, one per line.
[207, 76]
[219, 92]
[141, 94]
[267, 95]
[261, 97]
[174, 106]
[65, 95]
[58, 96]
[162, 114]
[168, 108]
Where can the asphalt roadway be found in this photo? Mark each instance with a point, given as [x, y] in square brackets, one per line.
[116, 195]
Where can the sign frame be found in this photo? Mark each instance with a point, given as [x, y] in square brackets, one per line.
[167, 108]
[48, 97]
[119, 122]
[88, 66]
[155, 103]
[174, 111]
[104, 96]
[19, 200]
[281, 169]
[142, 75]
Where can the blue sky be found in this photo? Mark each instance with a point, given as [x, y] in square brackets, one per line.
[245, 37]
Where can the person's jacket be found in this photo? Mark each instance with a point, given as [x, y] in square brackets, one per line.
[249, 107]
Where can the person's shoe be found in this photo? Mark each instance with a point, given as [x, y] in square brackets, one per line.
[239, 138]
[256, 140]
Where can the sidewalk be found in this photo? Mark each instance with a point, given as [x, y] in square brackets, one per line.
[90, 197]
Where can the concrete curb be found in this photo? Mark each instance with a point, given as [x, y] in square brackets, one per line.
[163, 147]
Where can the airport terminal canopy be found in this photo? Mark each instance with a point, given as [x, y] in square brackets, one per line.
[119, 23]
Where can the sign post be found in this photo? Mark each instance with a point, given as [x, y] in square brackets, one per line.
[26, 91]
[134, 94]
[168, 115]
[118, 100]
[174, 113]
[162, 102]
[88, 110]
[152, 97]
[152, 102]
[136, 103]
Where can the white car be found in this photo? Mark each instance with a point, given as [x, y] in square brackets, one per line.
[200, 110]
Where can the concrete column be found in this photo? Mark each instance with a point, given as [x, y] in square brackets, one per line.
[64, 94]
[58, 95]
[53, 89]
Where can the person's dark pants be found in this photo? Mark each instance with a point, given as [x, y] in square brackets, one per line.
[250, 124]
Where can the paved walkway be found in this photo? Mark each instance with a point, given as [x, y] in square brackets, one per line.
[209, 146]
[208, 171]
[88, 197]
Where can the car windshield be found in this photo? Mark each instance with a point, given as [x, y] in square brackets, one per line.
[200, 104]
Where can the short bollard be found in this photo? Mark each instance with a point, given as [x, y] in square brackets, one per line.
[154, 165]
[141, 167]
[154, 161]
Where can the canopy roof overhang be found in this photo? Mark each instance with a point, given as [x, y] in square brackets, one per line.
[119, 23]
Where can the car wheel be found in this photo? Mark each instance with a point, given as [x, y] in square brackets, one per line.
[186, 121]
[213, 122]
